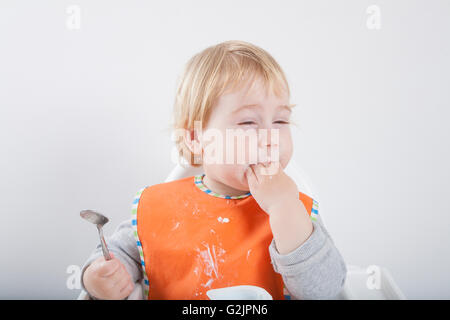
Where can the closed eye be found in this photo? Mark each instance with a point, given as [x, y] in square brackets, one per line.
[251, 122]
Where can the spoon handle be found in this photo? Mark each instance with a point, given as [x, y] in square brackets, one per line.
[102, 241]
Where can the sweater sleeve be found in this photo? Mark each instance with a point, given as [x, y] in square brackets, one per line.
[314, 270]
[123, 245]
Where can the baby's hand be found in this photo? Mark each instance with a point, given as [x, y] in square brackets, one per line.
[108, 279]
[271, 190]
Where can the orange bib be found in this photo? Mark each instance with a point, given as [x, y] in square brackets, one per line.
[192, 240]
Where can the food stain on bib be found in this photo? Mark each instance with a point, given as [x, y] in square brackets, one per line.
[210, 258]
[176, 226]
[223, 220]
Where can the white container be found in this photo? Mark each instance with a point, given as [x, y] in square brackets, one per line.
[243, 292]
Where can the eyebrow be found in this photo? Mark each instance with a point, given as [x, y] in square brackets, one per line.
[249, 106]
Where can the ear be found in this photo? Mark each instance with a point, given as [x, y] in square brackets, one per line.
[192, 142]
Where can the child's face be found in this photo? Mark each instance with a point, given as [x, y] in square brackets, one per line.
[267, 114]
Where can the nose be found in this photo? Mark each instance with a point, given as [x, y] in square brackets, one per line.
[268, 137]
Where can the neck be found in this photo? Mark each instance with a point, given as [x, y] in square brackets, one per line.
[220, 188]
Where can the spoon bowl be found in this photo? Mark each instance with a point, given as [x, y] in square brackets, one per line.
[94, 217]
[99, 220]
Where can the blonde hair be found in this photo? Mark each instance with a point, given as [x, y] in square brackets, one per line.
[209, 73]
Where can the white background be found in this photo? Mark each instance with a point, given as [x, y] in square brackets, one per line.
[84, 117]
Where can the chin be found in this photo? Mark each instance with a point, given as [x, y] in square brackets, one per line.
[239, 182]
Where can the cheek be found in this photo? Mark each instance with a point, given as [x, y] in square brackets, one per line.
[286, 149]
[285, 156]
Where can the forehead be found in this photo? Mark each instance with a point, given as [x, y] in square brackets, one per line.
[253, 97]
[279, 108]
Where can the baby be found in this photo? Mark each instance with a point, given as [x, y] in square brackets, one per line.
[243, 221]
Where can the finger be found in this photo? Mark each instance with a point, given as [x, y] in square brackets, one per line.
[117, 276]
[251, 178]
[272, 168]
[122, 283]
[119, 284]
[253, 169]
[127, 289]
[266, 161]
[260, 171]
[122, 274]
[103, 259]
[108, 268]
[121, 293]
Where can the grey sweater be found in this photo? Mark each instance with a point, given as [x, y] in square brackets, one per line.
[314, 270]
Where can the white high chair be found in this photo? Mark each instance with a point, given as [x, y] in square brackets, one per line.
[370, 283]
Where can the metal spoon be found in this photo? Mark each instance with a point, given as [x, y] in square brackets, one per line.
[100, 220]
